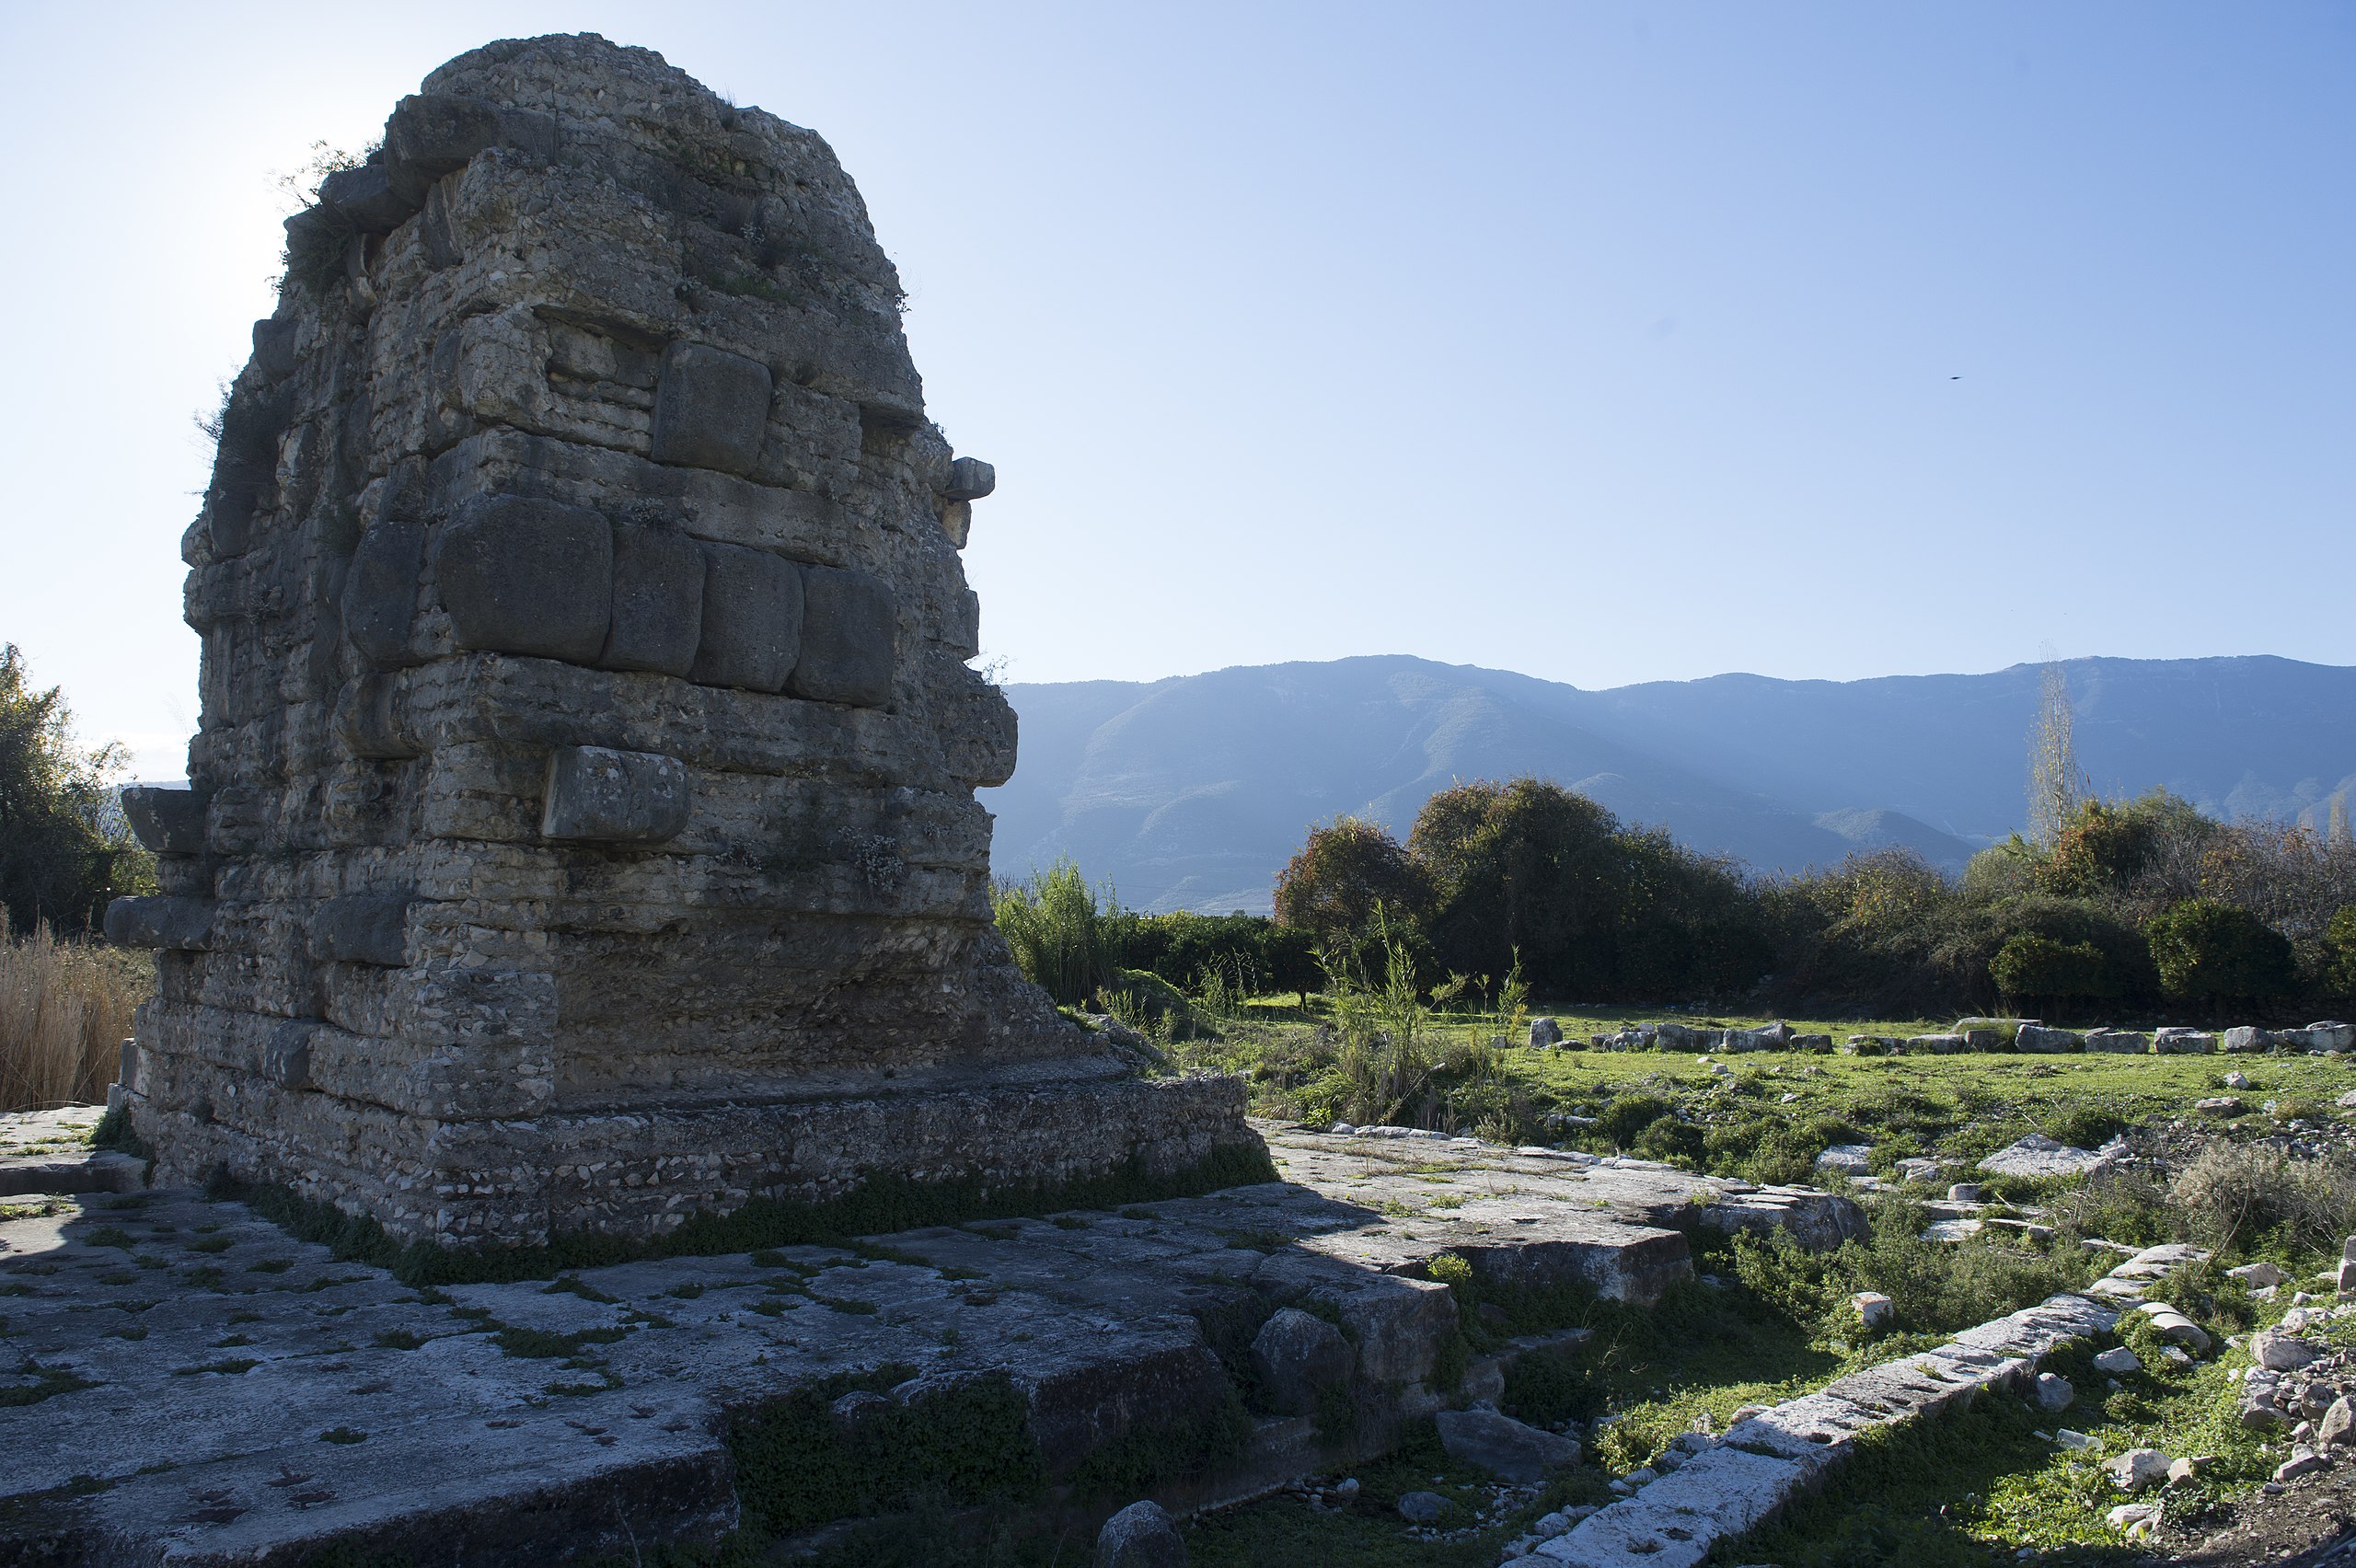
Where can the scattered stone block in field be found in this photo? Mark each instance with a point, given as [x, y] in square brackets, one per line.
[2246, 1038]
[2118, 1042]
[1298, 1356]
[2183, 1043]
[1424, 1507]
[2173, 1327]
[1935, 1045]
[2038, 1039]
[2118, 1361]
[2037, 1155]
[2256, 1276]
[1874, 1310]
[1140, 1536]
[2303, 1460]
[2055, 1393]
[2280, 1352]
[1846, 1159]
[1544, 1033]
[2137, 1469]
[2218, 1105]
[1506, 1448]
[2329, 1035]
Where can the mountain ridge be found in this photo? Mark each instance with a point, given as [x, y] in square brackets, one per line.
[1191, 791]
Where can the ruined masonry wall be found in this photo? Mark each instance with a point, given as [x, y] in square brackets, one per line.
[588, 749]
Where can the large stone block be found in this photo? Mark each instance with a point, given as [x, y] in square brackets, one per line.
[599, 795]
[711, 408]
[362, 927]
[520, 575]
[167, 821]
[849, 623]
[970, 479]
[180, 925]
[380, 592]
[432, 134]
[365, 198]
[658, 602]
[750, 633]
[286, 1059]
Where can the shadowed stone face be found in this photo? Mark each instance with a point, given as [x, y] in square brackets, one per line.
[583, 827]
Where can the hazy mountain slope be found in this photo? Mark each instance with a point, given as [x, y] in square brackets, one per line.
[1190, 792]
[2248, 736]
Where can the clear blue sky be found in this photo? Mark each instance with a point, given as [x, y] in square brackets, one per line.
[1603, 342]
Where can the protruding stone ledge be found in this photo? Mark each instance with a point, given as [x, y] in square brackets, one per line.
[176, 925]
[167, 821]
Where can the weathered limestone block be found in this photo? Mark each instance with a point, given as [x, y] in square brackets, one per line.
[524, 576]
[848, 621]
[169, 822]
[183, 925]
[582, 828]
[658, 602]
[380, 592]
[752, 619]
[711, 408]
[600, 795]
[970, 479]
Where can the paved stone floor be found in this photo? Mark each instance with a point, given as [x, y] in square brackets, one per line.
[191, 1384]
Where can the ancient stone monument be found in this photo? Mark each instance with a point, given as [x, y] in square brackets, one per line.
[581, 830]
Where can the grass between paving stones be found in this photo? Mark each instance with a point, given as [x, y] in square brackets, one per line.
[881, 1205]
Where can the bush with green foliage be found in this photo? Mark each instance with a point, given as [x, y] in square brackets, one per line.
[1061, 939]
[2210, 951]
[65, 850]
[2031, 966]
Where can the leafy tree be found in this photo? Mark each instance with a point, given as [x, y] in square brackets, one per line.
[1530, 866]
[2206, 950]
[1348, 867]
[64, 848]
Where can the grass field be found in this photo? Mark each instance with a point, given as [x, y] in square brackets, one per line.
[1770, 1322]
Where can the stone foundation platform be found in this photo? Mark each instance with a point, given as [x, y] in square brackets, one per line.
[644, 1172]
[200, 1388]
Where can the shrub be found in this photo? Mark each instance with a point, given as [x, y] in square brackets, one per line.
[2206, 950]
[1060, 941]
[2035, 967]
[2232, 1195]
[2340, 949]
[1627, 1118]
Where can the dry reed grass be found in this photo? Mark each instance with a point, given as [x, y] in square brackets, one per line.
[65, 1010]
